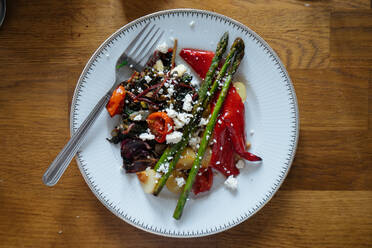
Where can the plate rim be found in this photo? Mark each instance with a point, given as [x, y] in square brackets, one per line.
[281, 68]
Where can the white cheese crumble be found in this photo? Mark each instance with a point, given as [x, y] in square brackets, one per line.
[148, 79]
[203, 122]
[180, 181]
[187, 104]
[180, 69]
[178, 124]
[137, 117]
[147, 136]
[194, 142]
[171, 112]
[163, 167]
[192, 24]
[184, 117]
[231, 182]
[171, 90]
[163, 48]
[240, 164]
[174, 137]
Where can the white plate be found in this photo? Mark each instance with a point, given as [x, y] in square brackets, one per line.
[271, 111]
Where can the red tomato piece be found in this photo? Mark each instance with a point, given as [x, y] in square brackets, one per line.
[160, 125]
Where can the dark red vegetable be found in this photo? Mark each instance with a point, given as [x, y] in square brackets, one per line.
[199, 60]
[137, 155]
[204, 181]
[230, 136]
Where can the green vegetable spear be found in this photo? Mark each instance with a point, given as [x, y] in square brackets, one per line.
[172, 154]
[239, 54]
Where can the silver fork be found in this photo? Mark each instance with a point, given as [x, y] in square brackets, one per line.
[135, 55]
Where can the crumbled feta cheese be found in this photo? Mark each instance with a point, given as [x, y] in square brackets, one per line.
[219, 121]
[174, 137]
[159, 66]
[148, 79]
[203, 122]
[240, 164]
[163, 167]
[231, 182]
[171, 89]
[178, 124]
[147, 136]
[163, 48]
[140, 90]
[161, 91]
[137, 117]
[180, 69]
[180, 181]
[171, 112]
[184, 117]
[187, 104]
[218, 162]
[194, 142]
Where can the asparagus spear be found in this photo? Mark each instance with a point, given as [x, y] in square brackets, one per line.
[209, 129]
[176, 150]
[171, 159]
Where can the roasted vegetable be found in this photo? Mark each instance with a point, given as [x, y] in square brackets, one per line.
[238, 51]
[160, 125]
[137, 155]
[116, 102]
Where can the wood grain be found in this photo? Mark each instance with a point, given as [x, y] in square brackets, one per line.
[351, 39]
[326, 200]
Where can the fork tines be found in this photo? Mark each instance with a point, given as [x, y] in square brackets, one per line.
[139, 50]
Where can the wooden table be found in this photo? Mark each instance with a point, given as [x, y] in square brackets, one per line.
[326, 201]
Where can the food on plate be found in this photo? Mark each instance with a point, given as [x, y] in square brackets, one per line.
[173, 131]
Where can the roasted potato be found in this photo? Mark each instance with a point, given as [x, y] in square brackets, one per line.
[176, 182]
[186, 159]
[148, 179]
[240, 88]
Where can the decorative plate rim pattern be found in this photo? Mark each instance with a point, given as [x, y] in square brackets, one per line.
[294, 120]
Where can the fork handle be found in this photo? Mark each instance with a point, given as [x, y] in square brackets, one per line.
[63, 159]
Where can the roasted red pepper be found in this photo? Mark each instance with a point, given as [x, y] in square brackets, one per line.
[203, 181]
[199, 60]
[229, 130]
[116, 102]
